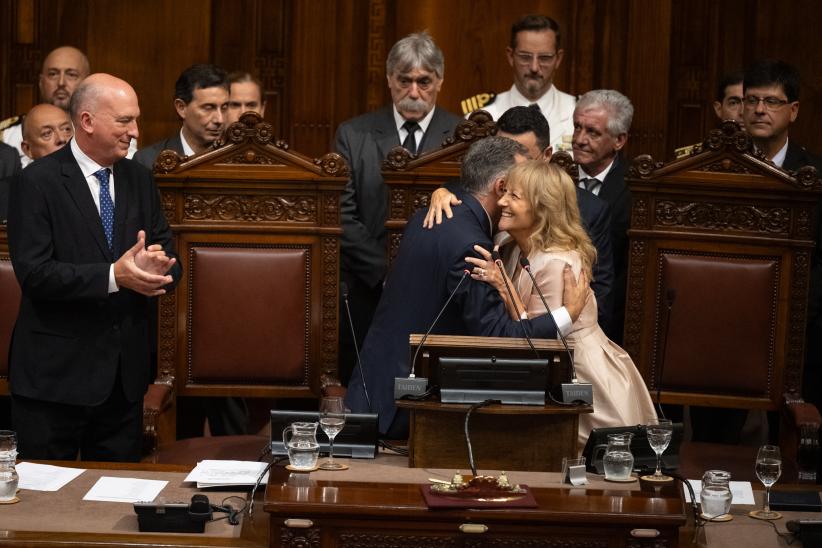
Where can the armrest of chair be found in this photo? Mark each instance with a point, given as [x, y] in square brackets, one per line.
[799, 439]
[331, 386]
[158, 399]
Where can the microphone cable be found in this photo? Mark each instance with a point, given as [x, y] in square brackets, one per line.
[344, 290]
[471, 409]
[670, 297]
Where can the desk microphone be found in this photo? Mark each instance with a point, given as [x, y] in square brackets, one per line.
[344, 291]
[498, 262]
[670, 297]
[411, 385]
[575, 390]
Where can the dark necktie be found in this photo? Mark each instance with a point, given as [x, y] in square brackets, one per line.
[410, 143]
[106, 206]
[591, 184]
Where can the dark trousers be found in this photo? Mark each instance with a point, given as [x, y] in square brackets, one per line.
[111, 431]
[363, 302]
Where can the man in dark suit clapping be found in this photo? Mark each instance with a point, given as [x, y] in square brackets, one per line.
[90, 246]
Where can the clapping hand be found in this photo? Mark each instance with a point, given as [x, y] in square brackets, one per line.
[143, 269]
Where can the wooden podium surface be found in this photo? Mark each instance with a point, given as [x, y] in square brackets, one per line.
[516, 437]
[355, 512]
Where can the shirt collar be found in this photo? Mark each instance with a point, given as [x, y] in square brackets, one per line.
[87, 166]
[779, 157]
[187, 150]
[424, 123]
[600, 176]
[546, 102]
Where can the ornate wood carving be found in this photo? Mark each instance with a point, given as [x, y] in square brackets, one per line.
[377, 16]
[399, 540]
[330, 300]
[722, 216]
[168, 203]
[249, 208]
[798, 309]
[331, 209]
[396, 204]
[636, 297]
[333, 165]
[300, 538]
[167, 346]
[643, 166]
[566, 162]
[639, 214]
[478, 125]
[167, 161]
[394, 245]
[648, 543]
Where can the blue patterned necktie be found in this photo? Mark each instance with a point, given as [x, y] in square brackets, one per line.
[106, 206]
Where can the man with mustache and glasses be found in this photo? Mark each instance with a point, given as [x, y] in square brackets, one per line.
[63, 70]
[414, 70]
[534, 55]
[201, 101]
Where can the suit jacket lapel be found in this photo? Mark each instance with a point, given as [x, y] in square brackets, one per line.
[611, 186]
[77, 187]
[121, 197]
[386, 133]
[437, 131]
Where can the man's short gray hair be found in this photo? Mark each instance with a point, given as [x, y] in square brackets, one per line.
[486, 161]
[85, 97]
[415, 51]
[619, 108]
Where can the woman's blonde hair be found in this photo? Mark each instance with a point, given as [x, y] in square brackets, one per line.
[553, 200]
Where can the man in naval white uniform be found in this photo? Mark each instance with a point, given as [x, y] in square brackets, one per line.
[534, 55]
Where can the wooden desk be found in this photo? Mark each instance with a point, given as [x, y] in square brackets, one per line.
[516, 437]
[308, 512]
[67, 521]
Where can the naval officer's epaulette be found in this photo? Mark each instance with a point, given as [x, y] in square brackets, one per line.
[8, 122]
[477, 102]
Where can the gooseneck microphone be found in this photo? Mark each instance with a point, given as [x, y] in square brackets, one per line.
[344, 290]
[670, 297]
[576, 391]
[498, 262]
[412, 386]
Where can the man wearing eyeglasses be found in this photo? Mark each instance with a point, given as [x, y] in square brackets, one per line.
[534, 55]
[63, 70]
[414, 69]
[771, 106]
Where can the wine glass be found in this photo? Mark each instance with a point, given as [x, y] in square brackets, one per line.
[768, 470]
[332, 421]
[659, 433]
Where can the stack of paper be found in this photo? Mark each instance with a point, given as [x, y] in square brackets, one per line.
[227, 473]
[45, 477]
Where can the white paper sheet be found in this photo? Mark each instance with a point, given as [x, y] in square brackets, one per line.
[108, 489]
[741, 490]
[45, 477]
[220, 473]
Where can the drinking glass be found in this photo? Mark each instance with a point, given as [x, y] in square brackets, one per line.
[659, 433]
[768, 470]
[332, 421]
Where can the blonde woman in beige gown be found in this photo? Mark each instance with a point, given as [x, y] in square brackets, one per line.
[540, 214]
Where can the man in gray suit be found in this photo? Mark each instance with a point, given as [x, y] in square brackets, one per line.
[414, 69]
[201, 101]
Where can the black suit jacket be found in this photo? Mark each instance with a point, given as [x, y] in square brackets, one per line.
[148, 155]
[427, 269]
[615, 192]
[9, 166]
[596, 218]
[72, 335]
[365, 141]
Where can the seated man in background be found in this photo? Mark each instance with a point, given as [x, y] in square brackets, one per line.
[430, 268]
[535, 54]
[201, 102]
[727, 105]
[46, 128]
[246, 95]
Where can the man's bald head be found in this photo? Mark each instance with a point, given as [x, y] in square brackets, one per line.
[46, 128]
[104, 110]
[63, 70]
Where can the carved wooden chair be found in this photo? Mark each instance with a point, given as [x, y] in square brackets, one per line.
[257, 230]
[723, 239]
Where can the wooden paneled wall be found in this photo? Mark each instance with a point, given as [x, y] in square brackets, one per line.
[323, 61]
